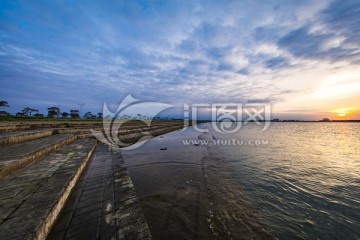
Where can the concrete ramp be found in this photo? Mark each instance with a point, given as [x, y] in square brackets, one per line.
[17, 156]
[31, 199]
[103, 204]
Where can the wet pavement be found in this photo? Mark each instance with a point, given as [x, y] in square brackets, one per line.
[188, 191]
[171, 186]
[17, 156]
[103, 204]
[30, 199]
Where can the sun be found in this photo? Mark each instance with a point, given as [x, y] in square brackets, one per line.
[342, 112]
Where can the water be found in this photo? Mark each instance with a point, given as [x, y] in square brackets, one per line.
[302, 183]
[306, 182]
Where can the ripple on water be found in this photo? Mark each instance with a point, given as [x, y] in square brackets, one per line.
[306, 182]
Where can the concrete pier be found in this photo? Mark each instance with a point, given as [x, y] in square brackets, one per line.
[68, 185]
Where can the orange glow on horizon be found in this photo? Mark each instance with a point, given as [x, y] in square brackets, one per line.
[343, 112]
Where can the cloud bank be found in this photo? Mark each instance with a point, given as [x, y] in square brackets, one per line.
[61, 52]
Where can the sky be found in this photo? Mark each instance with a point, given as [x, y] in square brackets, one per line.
[302, 57]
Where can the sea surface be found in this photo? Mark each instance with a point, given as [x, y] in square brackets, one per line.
[291, 181]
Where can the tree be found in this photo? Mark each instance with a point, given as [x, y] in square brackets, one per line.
[4, 114]
[33, 110]
[65, 114]
[74, 113]
[25, 111]
[139, 116]
[87, 115]
[4, 104]
[53, 112]
[20, 114]
[28, 111]
[100, 115]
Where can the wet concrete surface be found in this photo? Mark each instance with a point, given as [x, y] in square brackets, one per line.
[189, 191]
[17, 156]
[30, 199]
[171, 186]
[103, 204]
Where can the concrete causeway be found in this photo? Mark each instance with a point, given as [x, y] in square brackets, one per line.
[32, 198]
[68, 185]
[103, 204]
[9, 138]
[16, 156]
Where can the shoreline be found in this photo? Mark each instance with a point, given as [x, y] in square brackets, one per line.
[191, 177]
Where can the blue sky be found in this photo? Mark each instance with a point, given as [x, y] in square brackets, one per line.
[301, 56]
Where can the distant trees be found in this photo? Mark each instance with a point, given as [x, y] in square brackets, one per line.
[4, 104]
[64, 114]
[20, 114]
[74, 113]
[53, 112]
[28, 111]
[89, 115]
[4, 114]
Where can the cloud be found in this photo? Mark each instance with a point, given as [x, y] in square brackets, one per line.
[334, 36]
[173, 52]
[277, 62]
[301, 43]
[243, 71]
[344, 18]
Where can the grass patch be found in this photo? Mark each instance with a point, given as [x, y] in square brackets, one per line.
[55, 132]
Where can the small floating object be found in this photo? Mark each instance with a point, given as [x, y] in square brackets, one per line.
[164, 148]
[196, 144]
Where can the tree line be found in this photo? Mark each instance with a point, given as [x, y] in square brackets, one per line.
[53, 112]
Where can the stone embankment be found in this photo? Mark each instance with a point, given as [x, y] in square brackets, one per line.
[58, 182]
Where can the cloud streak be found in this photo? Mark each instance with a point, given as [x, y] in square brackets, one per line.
[175, 52]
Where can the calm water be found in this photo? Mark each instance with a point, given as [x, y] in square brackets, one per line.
[306, 182]
[303, 183]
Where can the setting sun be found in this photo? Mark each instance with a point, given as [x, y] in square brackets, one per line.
[343, 112]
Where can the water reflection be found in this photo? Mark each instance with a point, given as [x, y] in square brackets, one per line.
[187, 192]
[304, 184]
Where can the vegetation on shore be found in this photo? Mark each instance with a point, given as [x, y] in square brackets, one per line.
[29, 113]
[55, 114]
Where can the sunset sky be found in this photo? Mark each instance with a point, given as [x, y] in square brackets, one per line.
[303, 57]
